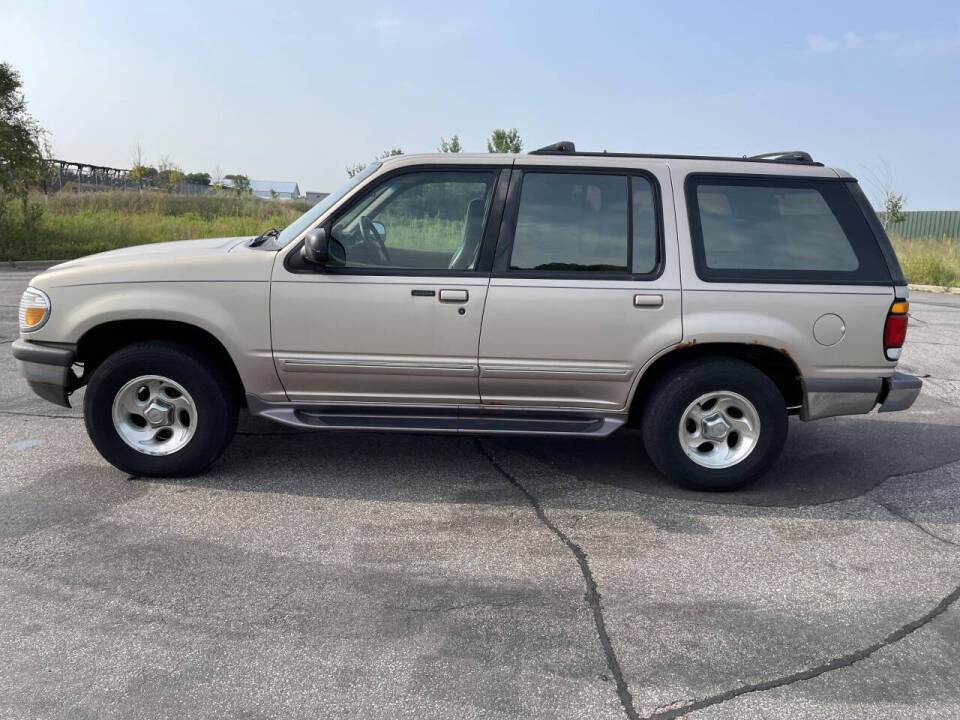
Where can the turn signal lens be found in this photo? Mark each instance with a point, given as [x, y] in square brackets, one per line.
[900, 307]
[34, 316]
[34, 309]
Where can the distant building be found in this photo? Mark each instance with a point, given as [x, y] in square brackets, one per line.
[314, 197]
[280, 190]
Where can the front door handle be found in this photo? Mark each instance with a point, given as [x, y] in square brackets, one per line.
[650, 301]
[454, 296]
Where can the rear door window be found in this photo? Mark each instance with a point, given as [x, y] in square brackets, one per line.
[780, 230]
[585, 223]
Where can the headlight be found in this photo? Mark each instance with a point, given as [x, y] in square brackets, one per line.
[34, 309]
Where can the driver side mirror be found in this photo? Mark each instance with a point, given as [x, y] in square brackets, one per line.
[378, 226]
[316, 247]
[319, 249]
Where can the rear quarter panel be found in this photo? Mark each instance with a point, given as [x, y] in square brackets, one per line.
[781, 316]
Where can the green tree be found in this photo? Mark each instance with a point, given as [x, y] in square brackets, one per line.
[140, 172]
[23, 143]
[505, 141]
[357, 167]
[169, 174]
[893, 208]
[451, 146]
[197, 178]
[240, 184]
[216, 182]
[887, 200]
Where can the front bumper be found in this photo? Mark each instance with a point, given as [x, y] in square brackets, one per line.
[828, 397]
[47, 369]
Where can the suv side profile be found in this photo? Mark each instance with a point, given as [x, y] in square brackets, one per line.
[562, 293]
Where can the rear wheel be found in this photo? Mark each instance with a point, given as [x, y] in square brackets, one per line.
[715, 424]
[160, 409]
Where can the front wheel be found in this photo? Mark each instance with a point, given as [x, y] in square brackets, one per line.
[715, 424]
[160, 409]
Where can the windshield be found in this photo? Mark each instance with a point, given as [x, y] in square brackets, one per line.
[311, 215]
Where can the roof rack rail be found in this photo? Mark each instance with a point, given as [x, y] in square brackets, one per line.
[564, 146]
[789, 156]
[793, 157]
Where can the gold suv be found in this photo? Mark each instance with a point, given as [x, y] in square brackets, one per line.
[560, 292]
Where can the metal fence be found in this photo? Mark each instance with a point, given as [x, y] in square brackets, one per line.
[927, 223]
[65, 175]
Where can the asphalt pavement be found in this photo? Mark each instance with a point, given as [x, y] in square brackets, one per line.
[389, 576]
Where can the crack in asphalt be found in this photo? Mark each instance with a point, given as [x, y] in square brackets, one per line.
[592, 595]
[681, 708]
[898, 512]
[41, 415]
[453, 608]
[838, 663]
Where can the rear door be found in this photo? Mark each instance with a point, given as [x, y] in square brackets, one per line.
[585, 288]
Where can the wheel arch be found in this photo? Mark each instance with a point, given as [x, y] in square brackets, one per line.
[102, 340]
[776, 364]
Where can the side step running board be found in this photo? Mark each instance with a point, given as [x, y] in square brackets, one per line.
[463, 419]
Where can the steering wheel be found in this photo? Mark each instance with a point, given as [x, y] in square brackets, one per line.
[373, 239]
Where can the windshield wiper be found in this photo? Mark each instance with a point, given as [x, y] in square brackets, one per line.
[264, 236]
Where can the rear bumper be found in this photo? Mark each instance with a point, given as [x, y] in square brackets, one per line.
[47, 370]
[901, 392]
[828, 397]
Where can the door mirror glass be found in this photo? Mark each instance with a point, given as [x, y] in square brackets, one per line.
[378, 226]
[316, 248]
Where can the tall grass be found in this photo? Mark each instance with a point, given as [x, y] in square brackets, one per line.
[67, 226]
[422, 233]
[930, 260]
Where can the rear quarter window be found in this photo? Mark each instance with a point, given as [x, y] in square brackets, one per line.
[770, 229]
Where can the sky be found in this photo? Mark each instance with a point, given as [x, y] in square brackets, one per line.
[298, 91]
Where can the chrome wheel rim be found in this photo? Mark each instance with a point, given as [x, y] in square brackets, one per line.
[719, 429]
[154, 415]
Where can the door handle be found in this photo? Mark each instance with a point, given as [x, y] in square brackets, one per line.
[649, 301]
[454, 296]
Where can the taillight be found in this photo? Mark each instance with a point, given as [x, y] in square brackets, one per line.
[895, 329]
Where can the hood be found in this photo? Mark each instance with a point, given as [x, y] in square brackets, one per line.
[210, 259]
[183, 249]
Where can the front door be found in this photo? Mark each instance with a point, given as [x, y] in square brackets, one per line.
[585, 287]
[399, 321]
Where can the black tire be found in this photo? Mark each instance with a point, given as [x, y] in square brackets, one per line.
[682, 386]
[210, 386]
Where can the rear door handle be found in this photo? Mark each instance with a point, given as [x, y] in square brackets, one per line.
[648, 301]
[454, 296]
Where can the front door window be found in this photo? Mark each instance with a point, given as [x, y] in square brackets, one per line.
[418, 221]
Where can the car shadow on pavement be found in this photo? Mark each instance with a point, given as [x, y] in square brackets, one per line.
[823, 462]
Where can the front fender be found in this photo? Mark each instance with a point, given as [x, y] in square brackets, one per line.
[235, 313]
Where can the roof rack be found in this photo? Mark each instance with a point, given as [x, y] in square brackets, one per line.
[793, 157]
[789, 156]
[564, 146]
